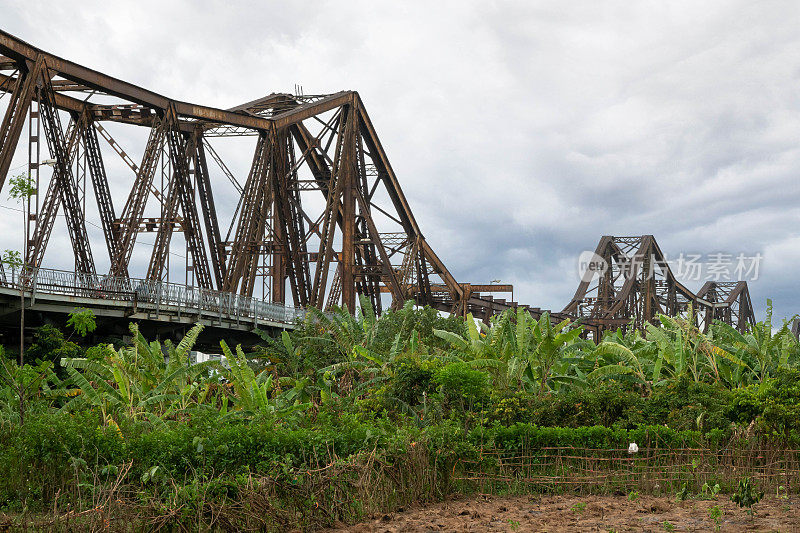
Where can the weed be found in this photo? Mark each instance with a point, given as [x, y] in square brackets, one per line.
[708, 492]
[716, 515]
[747, 494]
[579, 507]
[633, 495]
[668, 525]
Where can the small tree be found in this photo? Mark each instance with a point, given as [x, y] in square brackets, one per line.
[11, 258]
[22, 188]
[82, 321]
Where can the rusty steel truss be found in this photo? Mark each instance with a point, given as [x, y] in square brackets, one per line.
[319, 218]
[635, 284]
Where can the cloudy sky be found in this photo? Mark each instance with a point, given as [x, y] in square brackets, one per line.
[521, 132]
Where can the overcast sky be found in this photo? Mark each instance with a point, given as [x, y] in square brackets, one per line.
[521, 132]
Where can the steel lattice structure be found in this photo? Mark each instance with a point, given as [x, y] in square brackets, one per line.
[637, 284]
[364, 239]
[320, 217]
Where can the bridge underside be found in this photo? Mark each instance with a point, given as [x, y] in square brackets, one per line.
[316, 219]
[157, 320]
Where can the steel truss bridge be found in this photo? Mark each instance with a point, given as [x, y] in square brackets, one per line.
[637, 283]
[319, 218]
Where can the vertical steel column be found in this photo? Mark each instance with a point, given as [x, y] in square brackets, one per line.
[279, 245]
[47, 212]
[251, 226]
[277, 271]
[204, 190]
[647, 289]
[137, 199]
[34, 158]
[290, 255]
[329, 217]
[347, 174]
[97, 171]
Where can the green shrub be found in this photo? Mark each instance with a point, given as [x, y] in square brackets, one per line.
[52, 453]
[60, 452]
[49, 345]
[688, 405]
[510, 407]
[462, 386]
[773, 404]
[608, 404]
[412, 378]
[423, 321]
[526, 437]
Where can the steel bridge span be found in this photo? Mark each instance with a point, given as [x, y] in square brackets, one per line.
[48, 290]
[318, 219]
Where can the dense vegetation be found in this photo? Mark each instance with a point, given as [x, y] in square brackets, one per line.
[291, 432]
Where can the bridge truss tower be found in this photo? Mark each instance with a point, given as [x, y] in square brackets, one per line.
[319, 218]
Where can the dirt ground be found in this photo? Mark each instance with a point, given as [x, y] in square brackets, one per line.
[585, 513]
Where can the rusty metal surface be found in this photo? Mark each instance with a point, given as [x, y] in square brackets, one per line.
[319, 220]
[639, 284]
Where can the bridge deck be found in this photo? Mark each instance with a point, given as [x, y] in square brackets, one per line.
[56, 291]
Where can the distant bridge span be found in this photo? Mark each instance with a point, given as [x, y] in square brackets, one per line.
[637, 284]
[319, 219]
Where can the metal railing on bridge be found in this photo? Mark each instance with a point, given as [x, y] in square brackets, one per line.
[160, 295]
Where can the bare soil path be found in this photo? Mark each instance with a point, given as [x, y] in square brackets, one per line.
[585, 513]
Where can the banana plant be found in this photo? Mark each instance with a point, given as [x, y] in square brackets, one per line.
[357, 340]
[258, 393]
[762, 350]
[641, 363]
[485, 347]
[684, 349]
[139, 381]
[347, 331]
[481, 341]
[518, 349]
[551, 344]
